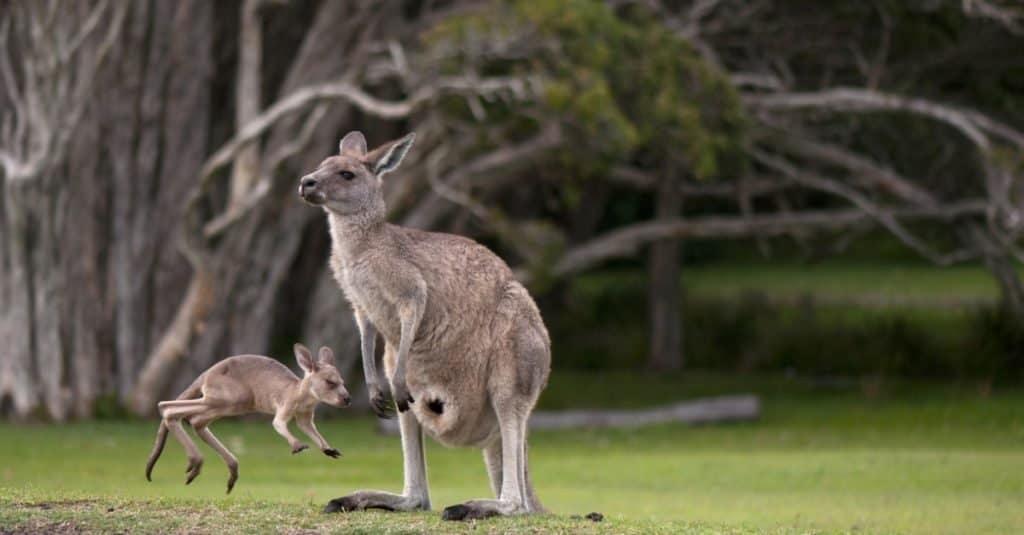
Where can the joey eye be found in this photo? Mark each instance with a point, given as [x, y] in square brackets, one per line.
[347, 175]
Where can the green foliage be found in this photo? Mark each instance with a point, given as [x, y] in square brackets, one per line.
[624, 86]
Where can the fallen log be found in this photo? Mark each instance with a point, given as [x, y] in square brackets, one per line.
[698, 411]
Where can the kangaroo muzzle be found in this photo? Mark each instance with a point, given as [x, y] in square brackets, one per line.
[308, 190]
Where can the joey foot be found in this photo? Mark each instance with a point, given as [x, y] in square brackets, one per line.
[194, 466]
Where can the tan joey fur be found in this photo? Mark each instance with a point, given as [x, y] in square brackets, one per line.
[246, 384]
[466, 352]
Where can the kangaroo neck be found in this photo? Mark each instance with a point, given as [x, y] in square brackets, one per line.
[302, 393]
[351, 234]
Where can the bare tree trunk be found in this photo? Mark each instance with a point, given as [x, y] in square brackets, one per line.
[158, 372]
[165, 102]
[324, 56]
[18, 378]
[664, 300]
[248, 100]
[50, 320]
[159, 101]
[253, 259]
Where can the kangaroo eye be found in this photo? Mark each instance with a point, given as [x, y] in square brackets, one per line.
[332, 384]
[347, 175]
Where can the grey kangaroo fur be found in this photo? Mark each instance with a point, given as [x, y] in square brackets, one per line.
[246, 384]
[466, 352]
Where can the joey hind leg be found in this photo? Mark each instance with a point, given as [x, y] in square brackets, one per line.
[415, 494]
[173, 413]
[201, 424]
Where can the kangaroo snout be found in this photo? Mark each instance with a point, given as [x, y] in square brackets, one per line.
[308, 190]
[344, 400]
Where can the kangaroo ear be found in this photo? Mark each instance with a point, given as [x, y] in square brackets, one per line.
[305, 358]
[326, 357]
[385, 158]
[353, 143]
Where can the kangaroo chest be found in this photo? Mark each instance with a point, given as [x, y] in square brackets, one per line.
[367, 293]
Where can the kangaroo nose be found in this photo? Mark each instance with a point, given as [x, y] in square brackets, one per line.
[307, 182]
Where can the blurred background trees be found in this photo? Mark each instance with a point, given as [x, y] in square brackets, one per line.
[607, 150]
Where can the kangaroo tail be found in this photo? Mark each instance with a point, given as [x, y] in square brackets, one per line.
[194, 391]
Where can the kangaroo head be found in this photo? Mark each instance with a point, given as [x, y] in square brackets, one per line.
[325, 383]
[349, 183]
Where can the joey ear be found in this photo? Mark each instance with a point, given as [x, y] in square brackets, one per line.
[353, 143]
[304, 358]
[326, 357]
[385, 158]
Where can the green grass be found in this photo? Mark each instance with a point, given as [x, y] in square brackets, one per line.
[915, 459]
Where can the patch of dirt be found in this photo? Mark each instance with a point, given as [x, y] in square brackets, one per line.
[65, 504]
[41, 528]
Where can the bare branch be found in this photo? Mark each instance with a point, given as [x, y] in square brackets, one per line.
[834, 187]
[1009, 16]
[506, 159]
[627, 240]
[445, 191]
[221, 223]
[971, 124]
[56, 79]
[343, 90]
[645, 180]
[863, 168]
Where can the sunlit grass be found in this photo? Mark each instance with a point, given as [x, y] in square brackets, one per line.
[916, 459]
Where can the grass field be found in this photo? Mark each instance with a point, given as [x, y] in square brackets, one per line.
[917, 459]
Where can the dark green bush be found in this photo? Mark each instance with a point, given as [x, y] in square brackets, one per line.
[602, 324]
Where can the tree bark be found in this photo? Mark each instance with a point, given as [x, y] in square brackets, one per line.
[18, 377]
[321, 58]
[248, 100]
[159, 371]
[663, 299]
[156, 108]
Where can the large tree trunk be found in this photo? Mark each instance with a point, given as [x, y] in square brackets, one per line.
[157, 143]
[254, 258]
[330, 49]
[664, 299]
[19, 385]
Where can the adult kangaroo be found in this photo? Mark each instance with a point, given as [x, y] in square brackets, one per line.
[466, 352]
